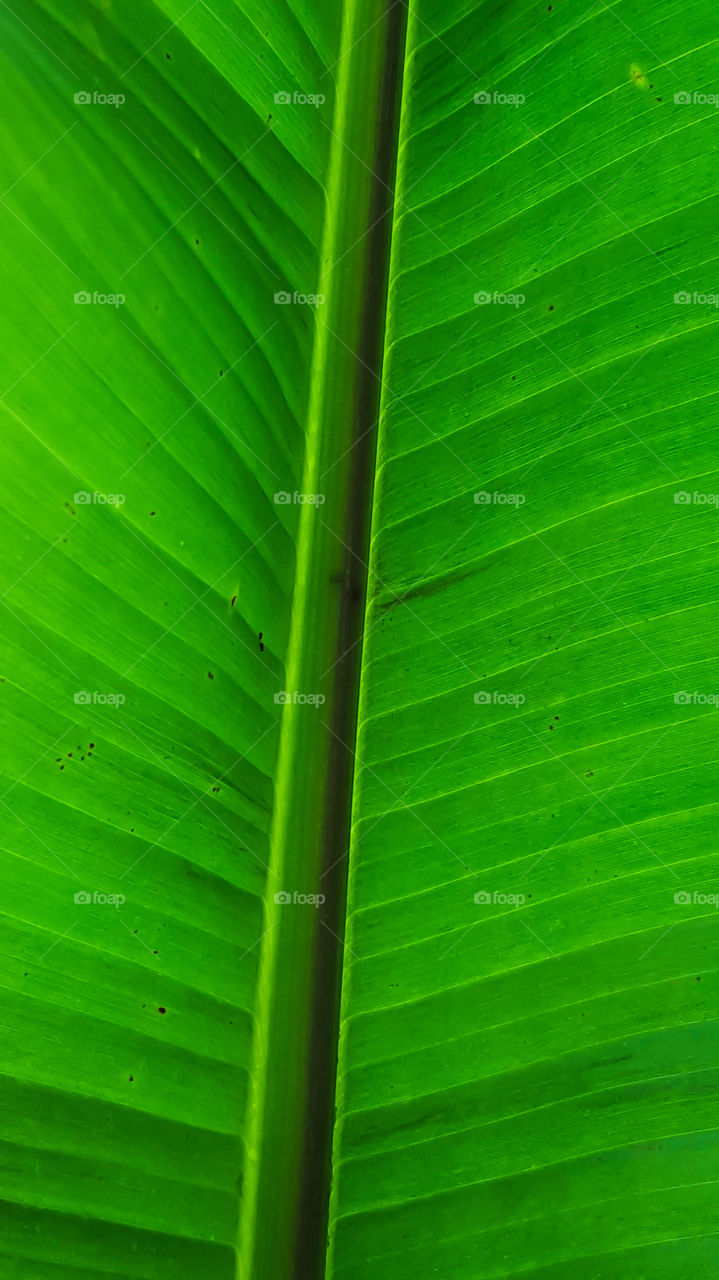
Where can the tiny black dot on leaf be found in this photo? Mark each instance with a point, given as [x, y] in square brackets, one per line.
[210, 675]
[162, 1009]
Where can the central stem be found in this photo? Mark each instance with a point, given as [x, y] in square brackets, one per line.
[286, 1192]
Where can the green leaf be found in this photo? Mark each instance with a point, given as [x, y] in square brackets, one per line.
[252, 376]
[527, 1076]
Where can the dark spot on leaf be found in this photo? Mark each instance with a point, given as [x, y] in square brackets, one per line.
[131, 1078]
[233, 602]
[162, 1009]
[210, 675]
[92, 746]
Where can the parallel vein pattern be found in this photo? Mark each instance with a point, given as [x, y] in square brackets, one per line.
[146, 584]
[527, 1076]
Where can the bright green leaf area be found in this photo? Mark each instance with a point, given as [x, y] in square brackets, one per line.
[527, 1080]
[126, 1031]
[529, 1086]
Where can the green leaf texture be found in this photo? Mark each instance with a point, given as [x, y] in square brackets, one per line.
[527, 1078]
[140, 728]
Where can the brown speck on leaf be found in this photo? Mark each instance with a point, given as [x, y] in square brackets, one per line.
[210, 675]
[162, 1009]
